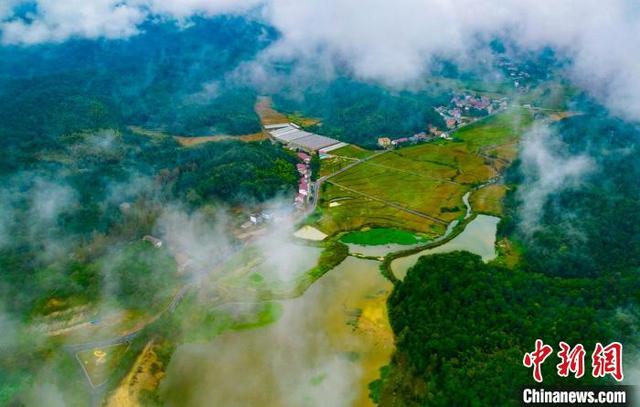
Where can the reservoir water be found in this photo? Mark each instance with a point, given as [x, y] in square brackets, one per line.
[325, 349]
[479, 237]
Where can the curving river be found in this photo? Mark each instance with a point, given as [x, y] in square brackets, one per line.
[478, 237]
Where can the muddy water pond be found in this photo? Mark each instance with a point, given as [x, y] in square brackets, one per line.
[478, 237]
[324, 350]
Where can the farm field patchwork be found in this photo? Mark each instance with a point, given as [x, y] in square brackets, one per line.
[354, 211]
[352, 151]
[420, 188]
[334, 164]
[488, 200]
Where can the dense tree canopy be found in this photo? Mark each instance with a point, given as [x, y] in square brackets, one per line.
[463, 327]
[68, 201]
[360, 113]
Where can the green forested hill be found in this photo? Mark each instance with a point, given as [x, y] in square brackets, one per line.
[166, 79]
[462, 326]
[359, 113]
[72, 192]
[594, 228]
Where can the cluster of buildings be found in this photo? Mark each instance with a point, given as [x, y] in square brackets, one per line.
[519, 76]
[465, 108]
[157, 243]
[306, 144]
[257, 218]
[434, 133]
[304, 184]
[296, 139]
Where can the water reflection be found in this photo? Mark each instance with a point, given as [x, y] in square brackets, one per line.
[478, 237]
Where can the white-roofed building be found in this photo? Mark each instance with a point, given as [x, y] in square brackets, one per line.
[275, 126]
[295, 138]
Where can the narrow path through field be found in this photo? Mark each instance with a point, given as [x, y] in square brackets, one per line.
[348, 167]
[417, 174]
[316, 185]
[393, 204]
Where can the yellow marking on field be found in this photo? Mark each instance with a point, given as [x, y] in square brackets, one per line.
[140, 377]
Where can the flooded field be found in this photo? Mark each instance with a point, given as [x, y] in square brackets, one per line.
[479, 237]
[324, 350]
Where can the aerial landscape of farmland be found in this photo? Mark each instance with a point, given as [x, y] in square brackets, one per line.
[272, 203]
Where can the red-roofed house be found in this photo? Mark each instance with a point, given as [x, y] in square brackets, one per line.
[303, 187]
[304, 157]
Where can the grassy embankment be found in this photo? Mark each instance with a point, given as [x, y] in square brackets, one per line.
[351, 151]
[429, 178]
[488, 200]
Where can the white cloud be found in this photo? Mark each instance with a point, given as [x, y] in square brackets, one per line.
[56, 21]
[390, 42]
[393, 42]
[182, 9]
[548, 168]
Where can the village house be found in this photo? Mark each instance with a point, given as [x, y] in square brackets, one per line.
[302, 169]
[303, 187]
[304, 157]
[418, 137]
[451, 123]
[157, 243]
[255, 218]
[384, 142]
[435, 131]
[124, 206]
[400, 141]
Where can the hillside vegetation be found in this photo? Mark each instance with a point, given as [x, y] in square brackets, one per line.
[428, 178]
[576, 281]
[464, 345]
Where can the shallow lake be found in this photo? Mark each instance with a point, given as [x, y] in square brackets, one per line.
[325, 349]
[479, 237]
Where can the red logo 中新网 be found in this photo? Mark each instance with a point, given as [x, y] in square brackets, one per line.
[605, 360]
